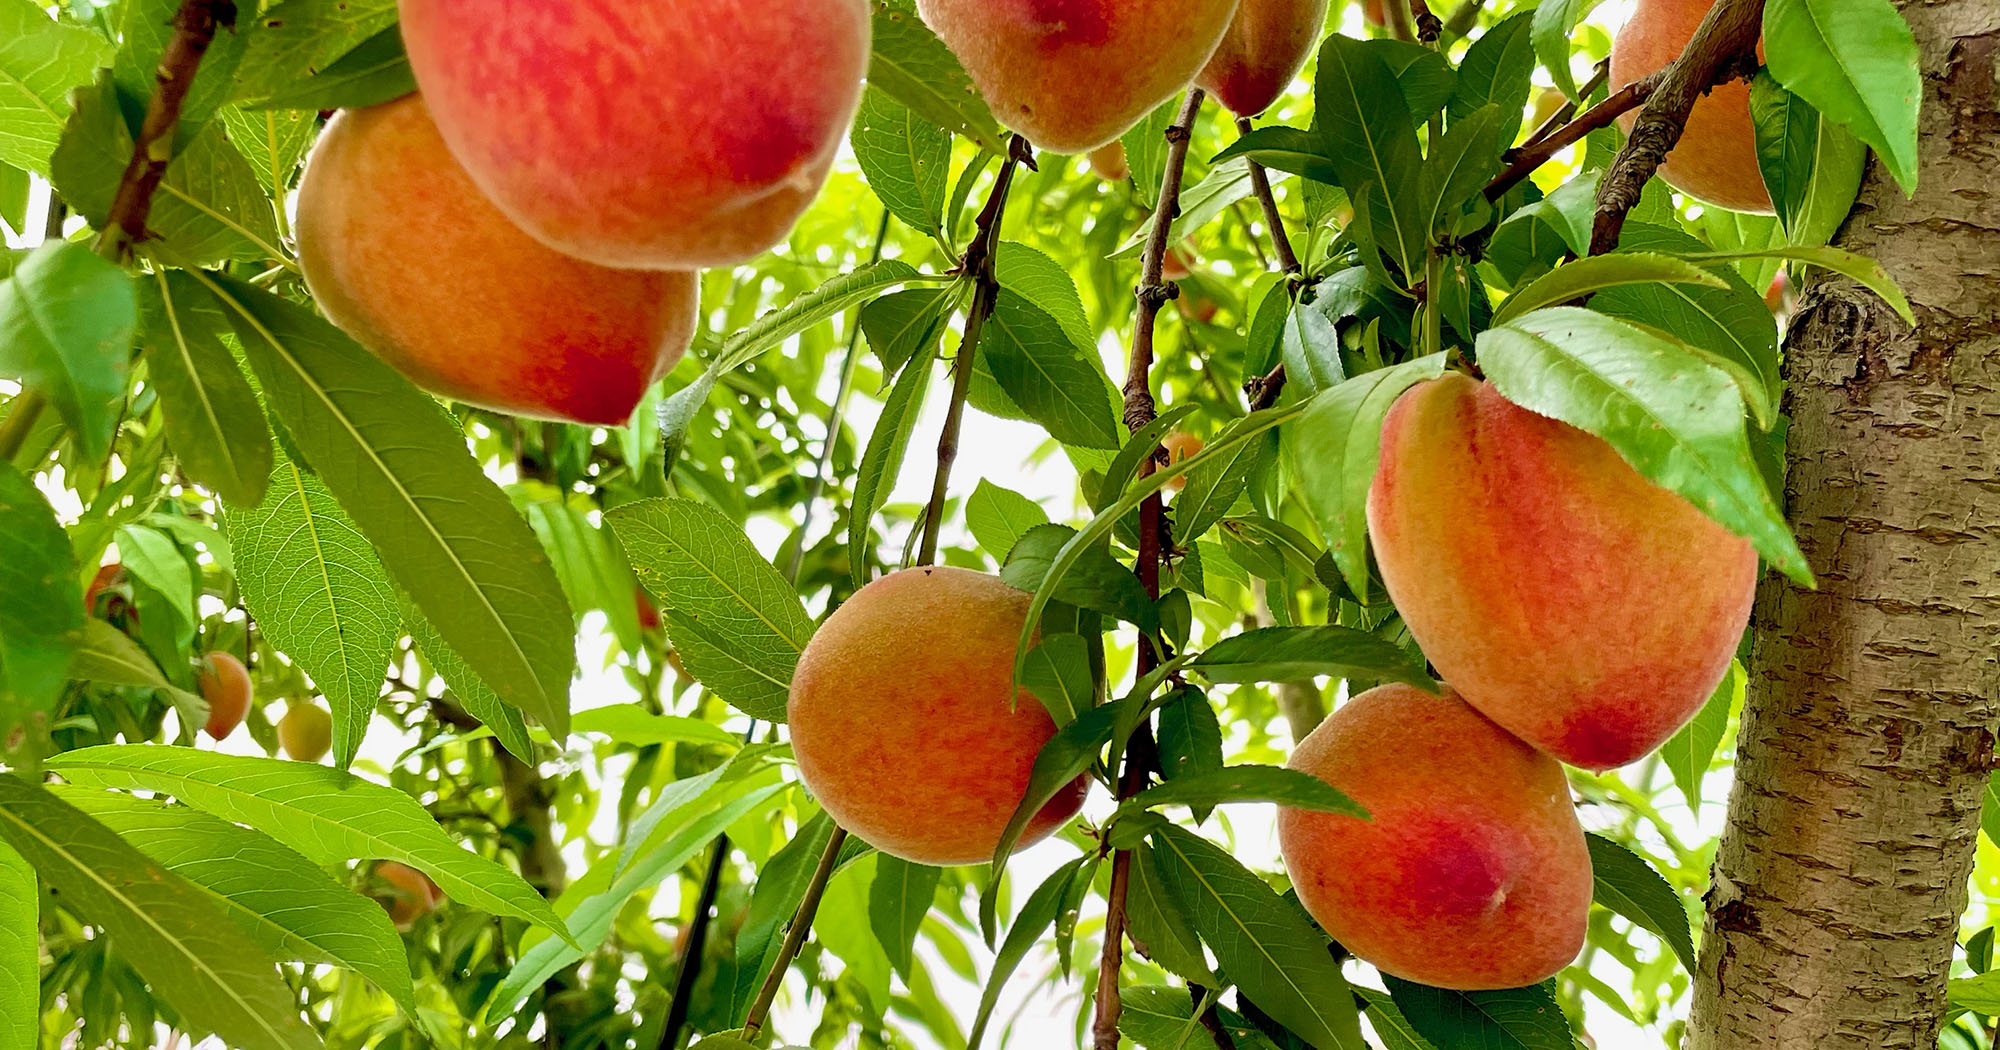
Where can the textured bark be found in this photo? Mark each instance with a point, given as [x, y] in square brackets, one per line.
[1869, 730]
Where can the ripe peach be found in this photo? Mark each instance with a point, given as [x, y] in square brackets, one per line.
[1178, 263]
[1107, 162]
[412, 895]
[225, 684]
[306, 732]
[671, 134]
[1262, 52]
[905, 724]
[1470, 871]
[1585, 609]
[1072, 75]
[1180, 445]
[405, 254]
[1716, 158]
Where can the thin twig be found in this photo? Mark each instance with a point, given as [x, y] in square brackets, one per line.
[1260, 187]
[194, 29]
[795, 936]
[1561, 116]
[1401, 20]
[1538, 150]
[1724, 46]
[1464, 17]
[1140, 409]
[986, 292]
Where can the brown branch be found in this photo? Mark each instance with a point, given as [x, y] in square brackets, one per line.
[1723, 47]
[1140, 409]
[1561, 116]
[1260, 187]
[1547, 142]
[194, 29]
[795, 936]
[978, 265]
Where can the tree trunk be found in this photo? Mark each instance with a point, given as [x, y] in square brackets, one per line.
[1869, 730]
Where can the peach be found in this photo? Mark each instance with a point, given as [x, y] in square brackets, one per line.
[1072, 75]
[905, 722]
[670, 134]
[1716, 158]
[1180, 445]
[1470, 870]
[1108, 162]
[411, 893]
[1585, 609]
[405, 254]
[1262, 52]
[306, 732]
[225, 683]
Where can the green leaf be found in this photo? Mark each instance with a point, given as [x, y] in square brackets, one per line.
[153, 557]
[1264, 942]
[1509, 1019]
[634, 725]
[1629, 886]
[999, 517]
[593, 573]
[42, 616]
[1214, 488]
[1498, 68]
[209, 208]
[738, 624]
[1859, 268]
[1245, 783]
[1139, 447]
[781, 885]
[826, 301]
[1666, 412]
[1059, 675]
[1812, 166]
[1456, 171]
[1156, 921]
[1146, 152]
[1067, 755]
[67, 321]
[898, 899]
[1292, 654]
[914, 67]
[20, 950]
[285, 902]
[478, 698]
[1037, 915]
[1303, 153]
[901, 325]
[1335, 447]
[1047, 375]
[1201, 203]
[1584, 276]
[319, 595]
[1372, 142]
[1423, 75]
[1554, 21]
[1190, 737]
[324, 813]
[146, 27]
[1041, 280]
[374, 72]
[1979, 993]
[400, 469]
[213, 421]
[1160, 1018]
[14, 186]
[41, 62]
[1689, 751]
[108, 656]
[905, 158]
[1391, 1027]
[882, 459]
[293, 38]
[1098, 581]
[1856, 61]
[199, 962]
[1728, 325]
[272, 140]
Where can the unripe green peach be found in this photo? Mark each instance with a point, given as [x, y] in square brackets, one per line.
[1470, 871]
[905, 723]
[306, 732]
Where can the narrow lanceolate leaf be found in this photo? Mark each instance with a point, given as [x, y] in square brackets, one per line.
[1064, 758]
[1060, 677]
[1391, 1027]
[905, 158]
[1037, 915]
[1509, 1019]
[1811, 165]
[1335, 448]
[214, 975]
[781, 885]
[998, 517]
[1047, 375]
[400, 469]
[1373, 143]
[289, 905]
[375, 72]
[20, 948]
[1856, 60]
[1264, 942]
[1214, 488]
[1979, 993]
[328, 815]
[1677, 420]
[1858, 268]
[294, 37]
[1628, 885]
[1190, 737]
[1456, 170]
[634, 725]
[41, 62]
[67, 321]
[1584, 276]
[738, 624]
[1097, 581]
[42, 614]
[214, 423]
[1293, 654]
[1692, 748]
[824, 302]
[1553, 23]
[898, 899]
[319, 594]
[1247, 783]
[1139, 448]
[914, 67]
[1158, 922]
[882, 459]
[1498, 68]
[478, 699]
[108, 656]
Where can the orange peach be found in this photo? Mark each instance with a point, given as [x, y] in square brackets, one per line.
[1108, 162]
[1262, 52]
[411, 893]
[1470, 871]
[1585, 609]
[1716, 158]
[1180, 445]
[405, 254]
[1072, 75]
[905, 722]
[670, 134]
[225, 684]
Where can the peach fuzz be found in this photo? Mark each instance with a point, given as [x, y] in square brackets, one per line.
[905, 724]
